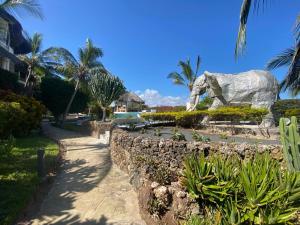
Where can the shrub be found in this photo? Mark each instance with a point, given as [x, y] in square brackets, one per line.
[254, 191]
[236, 114]
[184, 119]
[281, 106]
[190, 119]
[6, 146]
[177, 136]
[198, 137]
[169, 108]
[9, 81]
[293, 112]
[205, 103]
[56, 94]
[19, 114]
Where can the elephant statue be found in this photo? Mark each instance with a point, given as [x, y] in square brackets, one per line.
[258, 88]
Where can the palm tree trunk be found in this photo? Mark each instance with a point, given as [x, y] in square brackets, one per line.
[28, 77]
[103, 114]
[70, 102]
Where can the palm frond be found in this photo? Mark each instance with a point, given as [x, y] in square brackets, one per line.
[89, 54]
[36, 43]
[283, 59]
[186, 70]
[242, 33]
[292, 79]
[61, 55]
[16, 6]
[198, 65]
[176, 78]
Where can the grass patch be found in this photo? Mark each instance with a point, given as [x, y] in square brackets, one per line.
[18, 176]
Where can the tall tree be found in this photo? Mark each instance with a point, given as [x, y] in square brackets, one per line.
[105, 89]
[187, 76]
[292, 79]
[80, 70]
[16, 6]
[39, 61]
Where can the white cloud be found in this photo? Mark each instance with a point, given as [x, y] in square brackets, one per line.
[152, 97]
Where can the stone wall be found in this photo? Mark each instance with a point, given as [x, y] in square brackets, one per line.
[97, 129]
[154, 164]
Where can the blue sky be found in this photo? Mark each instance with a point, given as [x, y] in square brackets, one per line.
[143, 40]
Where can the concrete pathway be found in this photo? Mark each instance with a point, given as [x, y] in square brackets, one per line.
[89, 190]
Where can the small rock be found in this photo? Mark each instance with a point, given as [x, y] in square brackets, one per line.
[160, 192]
[154, 185]
[181, 194]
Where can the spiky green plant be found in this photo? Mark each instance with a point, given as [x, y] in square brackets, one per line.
[256, 190]
[198, 137]
[201, 181]
[290, 140]
[105, 89]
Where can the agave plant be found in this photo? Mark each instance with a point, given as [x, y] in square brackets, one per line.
[255, 191]
[200, 180]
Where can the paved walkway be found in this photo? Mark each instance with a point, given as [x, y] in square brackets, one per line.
[89, 190]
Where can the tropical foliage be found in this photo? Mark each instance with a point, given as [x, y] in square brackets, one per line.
[105, 89]
[281, 108]
[9, 81]
[56, 101]
[187, 76]
[254, 191]
[290, 57]
[190, 119]
[205, 103]
[19, 114]
[80, 70]
[40, 62]
[16, 6]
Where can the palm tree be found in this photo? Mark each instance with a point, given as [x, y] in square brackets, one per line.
[15, 6]
[292, 79]
[39, 62]
[187, 76]
[105, 89]
[80, 70]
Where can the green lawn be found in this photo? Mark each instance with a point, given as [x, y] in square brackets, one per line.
[18, 176]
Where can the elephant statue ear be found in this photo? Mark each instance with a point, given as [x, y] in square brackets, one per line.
[213, 84]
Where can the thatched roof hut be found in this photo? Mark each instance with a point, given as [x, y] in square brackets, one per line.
[131, 97]
[129, 102]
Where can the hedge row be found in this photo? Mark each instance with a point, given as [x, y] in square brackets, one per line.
[189, 119]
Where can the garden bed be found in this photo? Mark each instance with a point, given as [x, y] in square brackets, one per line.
[155, 163]
[18, 174]
[213, 133]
